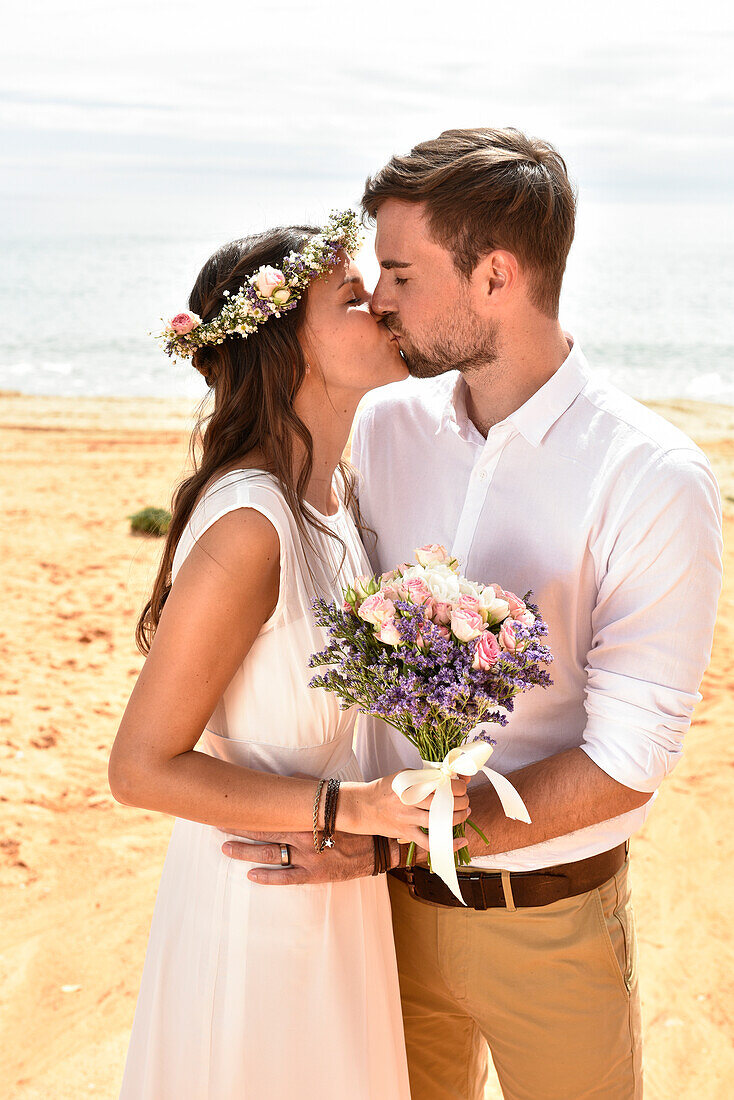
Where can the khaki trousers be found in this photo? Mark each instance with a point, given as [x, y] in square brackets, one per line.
[552, 990]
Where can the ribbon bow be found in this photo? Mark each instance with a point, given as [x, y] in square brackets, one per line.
[412, 787]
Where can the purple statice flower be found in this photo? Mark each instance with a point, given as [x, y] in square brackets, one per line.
[425, 687]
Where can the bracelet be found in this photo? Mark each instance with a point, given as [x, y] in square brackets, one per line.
[316, 802]
[382, 855]
[332, 797]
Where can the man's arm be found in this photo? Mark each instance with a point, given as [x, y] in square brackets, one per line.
[563, 793]
[652, 632]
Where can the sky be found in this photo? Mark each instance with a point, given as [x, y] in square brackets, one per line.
[175, 114]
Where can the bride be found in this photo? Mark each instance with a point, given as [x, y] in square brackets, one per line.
[248, 991]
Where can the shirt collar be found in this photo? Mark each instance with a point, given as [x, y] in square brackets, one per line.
[536, 417]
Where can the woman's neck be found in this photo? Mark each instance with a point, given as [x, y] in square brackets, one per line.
[329, 423]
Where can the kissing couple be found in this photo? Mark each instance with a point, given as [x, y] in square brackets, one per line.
[293, 953]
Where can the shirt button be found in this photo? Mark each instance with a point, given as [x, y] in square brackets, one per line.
[482, 475]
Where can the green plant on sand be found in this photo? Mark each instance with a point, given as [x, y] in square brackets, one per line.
[150, 521]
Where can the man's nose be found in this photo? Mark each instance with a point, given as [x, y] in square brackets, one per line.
[379, 304]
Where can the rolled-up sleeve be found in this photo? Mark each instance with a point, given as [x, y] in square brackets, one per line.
[660, 571]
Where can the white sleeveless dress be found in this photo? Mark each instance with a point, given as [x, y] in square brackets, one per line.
[253, 992]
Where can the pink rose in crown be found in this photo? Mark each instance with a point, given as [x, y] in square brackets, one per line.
[418, 592]
[389, 633]
[268, 281]
[432, 552]
[376, 610]
[184, 323]
[467, 625]
[441, 612]
[507, 638]
[487, 651]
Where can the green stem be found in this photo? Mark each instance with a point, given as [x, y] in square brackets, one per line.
[477, 830]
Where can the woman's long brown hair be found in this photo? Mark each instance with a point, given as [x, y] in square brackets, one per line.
[254, 383]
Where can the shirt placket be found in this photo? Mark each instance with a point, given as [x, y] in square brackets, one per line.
[477, 489]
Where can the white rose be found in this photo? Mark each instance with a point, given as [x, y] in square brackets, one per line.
[495, 610]
[442, 581]
[468, 588]
[280, 297]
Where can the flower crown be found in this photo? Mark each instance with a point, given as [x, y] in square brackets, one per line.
[268, 292]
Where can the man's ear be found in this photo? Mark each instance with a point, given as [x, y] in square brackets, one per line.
[496, 274]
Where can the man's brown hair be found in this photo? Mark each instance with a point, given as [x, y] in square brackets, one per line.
[486, 189]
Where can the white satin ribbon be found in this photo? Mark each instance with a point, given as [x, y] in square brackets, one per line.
[412, 787]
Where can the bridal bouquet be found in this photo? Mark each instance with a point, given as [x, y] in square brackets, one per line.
[440, 658]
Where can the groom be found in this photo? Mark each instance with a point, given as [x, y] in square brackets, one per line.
[535, 473]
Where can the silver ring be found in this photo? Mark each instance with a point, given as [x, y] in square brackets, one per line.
[285, 856]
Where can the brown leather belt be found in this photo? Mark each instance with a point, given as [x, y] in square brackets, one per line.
[485, 890]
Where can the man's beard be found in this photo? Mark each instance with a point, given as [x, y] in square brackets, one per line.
[457, 344]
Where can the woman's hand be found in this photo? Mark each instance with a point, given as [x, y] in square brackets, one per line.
[375, 808]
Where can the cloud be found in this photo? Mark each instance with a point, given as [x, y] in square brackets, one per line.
[167, 103]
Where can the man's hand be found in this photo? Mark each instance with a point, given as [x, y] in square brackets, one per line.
[353, 856]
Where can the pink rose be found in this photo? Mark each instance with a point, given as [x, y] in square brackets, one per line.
[424, 555]
[184, 323]
[508, 640]
[417, 591]
[516, 604]
[268, 280]
[392, 591]
[467, 625]
[470, 603]
[444, 631]
[376, 610]
[486, 651]
[526, 618]
[441, 612]
[281, 296]
[389, 633]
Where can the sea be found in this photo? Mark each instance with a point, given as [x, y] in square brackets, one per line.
[649, 293]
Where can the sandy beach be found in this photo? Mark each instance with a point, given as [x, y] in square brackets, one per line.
[78, 872]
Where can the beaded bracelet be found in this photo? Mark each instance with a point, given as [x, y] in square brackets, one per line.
[330, 803]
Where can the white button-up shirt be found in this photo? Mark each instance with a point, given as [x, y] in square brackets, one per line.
[610, 515]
